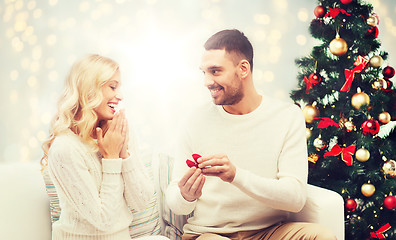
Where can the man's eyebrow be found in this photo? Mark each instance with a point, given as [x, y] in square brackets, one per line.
[214, 67]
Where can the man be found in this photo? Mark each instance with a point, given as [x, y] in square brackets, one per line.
[253, 169]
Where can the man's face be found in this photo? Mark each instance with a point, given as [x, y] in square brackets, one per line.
[221, 77]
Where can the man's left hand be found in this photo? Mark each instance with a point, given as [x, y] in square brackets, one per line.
[217, 165]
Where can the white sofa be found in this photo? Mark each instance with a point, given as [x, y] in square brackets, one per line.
[25, 211]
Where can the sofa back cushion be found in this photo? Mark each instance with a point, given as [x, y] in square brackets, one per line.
[173, 224]
[24, 208]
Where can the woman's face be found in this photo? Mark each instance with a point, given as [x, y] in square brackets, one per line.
[111, 98]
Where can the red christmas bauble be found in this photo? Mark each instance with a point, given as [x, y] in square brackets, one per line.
[370, 126]
[314, 78]
[389, 85]
[372, 32]
[346, 1]
[350, 205]
[388, 72]
[320, 11]
[390, 202]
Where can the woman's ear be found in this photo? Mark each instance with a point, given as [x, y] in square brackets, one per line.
[244, 68]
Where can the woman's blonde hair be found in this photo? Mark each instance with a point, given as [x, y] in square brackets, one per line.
[82, 94]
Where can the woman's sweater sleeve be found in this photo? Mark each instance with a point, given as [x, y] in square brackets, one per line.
[288, 191]
[77, 186]
[139, 187]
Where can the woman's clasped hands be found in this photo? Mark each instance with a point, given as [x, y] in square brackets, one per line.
[114, 143]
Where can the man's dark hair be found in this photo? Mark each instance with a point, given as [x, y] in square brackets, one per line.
[233, 41]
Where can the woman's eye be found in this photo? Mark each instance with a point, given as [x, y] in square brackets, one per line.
[112, 87]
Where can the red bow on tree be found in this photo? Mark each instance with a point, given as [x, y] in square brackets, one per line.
[346, 155]
[379, 233]
[308, 84]
[327, 122]
[333, 12]
[360, 64]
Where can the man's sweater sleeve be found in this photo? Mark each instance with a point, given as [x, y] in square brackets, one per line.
[176, 202]
[288, 191]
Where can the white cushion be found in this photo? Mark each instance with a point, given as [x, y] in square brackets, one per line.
[24, 205]
[172, 224]
[325, 207]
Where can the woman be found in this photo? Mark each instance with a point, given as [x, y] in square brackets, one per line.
[98, 180]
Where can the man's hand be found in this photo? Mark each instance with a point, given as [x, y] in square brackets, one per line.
[219, 166]
[191, 184]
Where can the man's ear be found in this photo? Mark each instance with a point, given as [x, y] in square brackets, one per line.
[244, 68]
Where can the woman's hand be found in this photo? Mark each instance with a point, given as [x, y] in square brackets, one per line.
[111, 143]
[124, 150]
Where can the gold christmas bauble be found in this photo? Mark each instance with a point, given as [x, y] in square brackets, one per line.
[384, 117]
[368, 189]
[338, 46]
[389, 168]
[308, 133]
[372, 21]
[319, 143]
[376, 61]
[310, 113]
[359, 99]
[362, 155]
[379, 84]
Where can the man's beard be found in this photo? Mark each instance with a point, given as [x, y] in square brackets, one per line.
[232, 96]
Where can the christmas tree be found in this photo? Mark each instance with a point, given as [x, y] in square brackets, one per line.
[349, 103]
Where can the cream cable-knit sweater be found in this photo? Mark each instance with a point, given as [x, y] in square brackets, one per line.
[268, 148]
[95, 194]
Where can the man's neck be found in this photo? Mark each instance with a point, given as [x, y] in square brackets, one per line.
[248, 104]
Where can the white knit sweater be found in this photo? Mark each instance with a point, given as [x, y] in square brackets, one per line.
[95, 194]
[268, 148]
